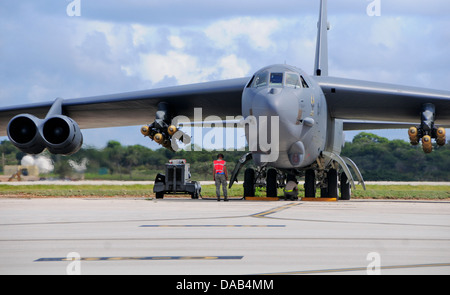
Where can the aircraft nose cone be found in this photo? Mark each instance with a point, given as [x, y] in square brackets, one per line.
[268, 103]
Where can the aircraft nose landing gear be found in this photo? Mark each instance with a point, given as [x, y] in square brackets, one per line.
[427, 130]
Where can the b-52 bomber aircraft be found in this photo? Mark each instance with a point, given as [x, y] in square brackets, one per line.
[302, 116]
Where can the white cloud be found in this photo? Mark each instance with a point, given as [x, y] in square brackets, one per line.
[183, 67]
[176, 42]
[233, 67]
[256, 31]
[387, 32]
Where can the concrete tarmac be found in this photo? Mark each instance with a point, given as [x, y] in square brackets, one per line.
[189, 237]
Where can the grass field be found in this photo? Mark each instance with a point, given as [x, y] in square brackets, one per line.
[404, 192]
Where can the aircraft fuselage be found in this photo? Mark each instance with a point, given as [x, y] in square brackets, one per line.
[287, 96]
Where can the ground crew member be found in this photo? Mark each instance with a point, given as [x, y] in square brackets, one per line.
[220, 176]
[291, 189]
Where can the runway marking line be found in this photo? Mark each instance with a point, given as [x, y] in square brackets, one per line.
[211, 225]
[321, 271]
[274, 210]
[319, 199]
[56, 259]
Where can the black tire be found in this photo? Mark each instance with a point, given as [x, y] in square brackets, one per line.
[332, 183]
[271, 183]
[160, 195]
[249, 183]
[310, 184]
[346, 190]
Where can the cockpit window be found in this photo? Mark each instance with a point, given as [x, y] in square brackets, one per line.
[260, 80]
[305, 85]
[288, 79]
[276, 79]
[293, 80]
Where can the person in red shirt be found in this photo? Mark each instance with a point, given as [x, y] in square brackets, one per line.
[220, 176]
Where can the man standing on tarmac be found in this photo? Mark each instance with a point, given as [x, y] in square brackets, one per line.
[220, 176]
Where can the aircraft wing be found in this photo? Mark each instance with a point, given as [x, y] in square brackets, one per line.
[370, 101]
[220, 98]
[350, 125]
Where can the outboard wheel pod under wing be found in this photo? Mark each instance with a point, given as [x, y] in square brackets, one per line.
[23, 132]
[61, 135]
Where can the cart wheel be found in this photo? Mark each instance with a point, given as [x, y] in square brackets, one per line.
[195, 195]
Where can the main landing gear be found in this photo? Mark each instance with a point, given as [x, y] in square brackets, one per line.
[332, 184]
[330, 173]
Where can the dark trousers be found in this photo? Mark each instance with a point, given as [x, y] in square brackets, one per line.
[221, 180]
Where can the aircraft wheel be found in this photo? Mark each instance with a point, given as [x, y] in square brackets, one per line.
[310, 184]
[249, 182]
[346, 190]
[271, 183]
[332, 183]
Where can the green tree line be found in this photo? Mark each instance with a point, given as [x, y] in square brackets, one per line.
[396, 160]
[377, 157]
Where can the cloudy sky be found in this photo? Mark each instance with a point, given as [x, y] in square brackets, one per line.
[118, 46]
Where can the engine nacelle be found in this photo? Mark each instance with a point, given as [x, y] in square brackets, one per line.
[61, 135]
[23, 132]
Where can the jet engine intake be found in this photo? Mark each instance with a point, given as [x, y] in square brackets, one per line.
[62, 135]
[23, 132]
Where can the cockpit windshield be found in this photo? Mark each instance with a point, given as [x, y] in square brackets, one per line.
[261, 80]
[293, 80]
[276, 79]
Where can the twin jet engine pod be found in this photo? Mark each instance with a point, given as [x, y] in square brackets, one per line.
[59, 134]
